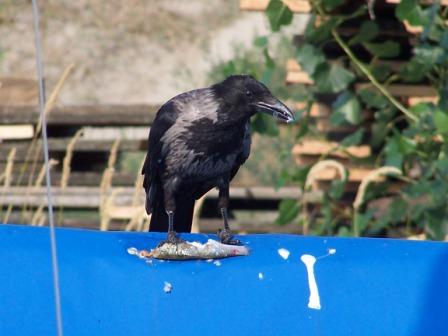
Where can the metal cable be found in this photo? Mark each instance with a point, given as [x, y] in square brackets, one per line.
[54, 258]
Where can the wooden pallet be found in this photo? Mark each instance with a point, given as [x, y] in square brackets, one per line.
[82, 115]
[296, 6]
[18, 91]
[90, 197]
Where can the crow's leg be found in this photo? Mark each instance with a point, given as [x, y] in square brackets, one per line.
[170, 208]
[225, 235]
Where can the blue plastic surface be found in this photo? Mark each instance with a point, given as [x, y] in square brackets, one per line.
[368, 287]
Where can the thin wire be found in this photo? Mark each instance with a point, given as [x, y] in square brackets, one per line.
[54, 258]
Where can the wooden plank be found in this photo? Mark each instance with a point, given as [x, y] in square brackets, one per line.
[18, 91]
[356, 174]
[319, 147]
[82, 145]
[16, 132]
[298, 77]
[425, 2]
[417, 100]
[317, 110]
[293, 65]
[89, 197]
[403, 90]
[82, 115]
[77, 178]
[296, 6]
[206, 225]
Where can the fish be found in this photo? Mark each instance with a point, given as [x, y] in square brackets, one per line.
[212, 249]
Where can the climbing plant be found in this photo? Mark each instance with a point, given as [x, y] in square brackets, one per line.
[412, 139]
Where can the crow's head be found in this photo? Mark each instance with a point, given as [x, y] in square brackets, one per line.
[247, 95]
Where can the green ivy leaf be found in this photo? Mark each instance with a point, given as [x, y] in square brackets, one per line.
[430, 55]
[353, 139]
[288, 211]
[436, 223]
[414, 70]
[348, 106]
[261, 41]
[392, 152]
[332, 78]
[321, 33]
[268, 59]
[329, 5]
[344, 231]
[264, 124]
[388, 49]
[441, 121]
[337, 189]
[411, 11]
[367, 32]
[381, 72]
[373, 99]
[309, 57]
[278, 14]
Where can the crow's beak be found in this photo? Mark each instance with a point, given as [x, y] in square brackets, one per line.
[277, 109]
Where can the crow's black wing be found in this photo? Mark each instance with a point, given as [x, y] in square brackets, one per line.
[165, 118]
[245, 151]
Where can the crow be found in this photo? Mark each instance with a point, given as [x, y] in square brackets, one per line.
[198, 141]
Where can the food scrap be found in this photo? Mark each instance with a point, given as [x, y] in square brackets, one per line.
[192, 250]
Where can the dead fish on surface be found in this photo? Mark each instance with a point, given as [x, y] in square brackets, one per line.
[193, 250]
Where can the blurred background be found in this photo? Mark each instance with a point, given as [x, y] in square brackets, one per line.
[368, 81]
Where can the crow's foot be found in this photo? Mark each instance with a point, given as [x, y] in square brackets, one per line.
[172, 238]
[227, 238]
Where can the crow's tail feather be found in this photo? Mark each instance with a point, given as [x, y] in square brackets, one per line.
[183, 215]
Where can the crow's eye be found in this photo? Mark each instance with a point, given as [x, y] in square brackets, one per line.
[248, 93]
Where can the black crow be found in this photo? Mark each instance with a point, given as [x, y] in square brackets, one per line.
[198, 141]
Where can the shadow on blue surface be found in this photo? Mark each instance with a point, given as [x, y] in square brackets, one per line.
[368, 287]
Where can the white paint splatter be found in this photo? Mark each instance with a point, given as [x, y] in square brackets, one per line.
[314, 300]
[332, 251]
[217, 263]
[132, 251]
[284, 253]
[167, 287]
[260, 276]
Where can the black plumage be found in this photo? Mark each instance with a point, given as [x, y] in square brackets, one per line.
[198, 141]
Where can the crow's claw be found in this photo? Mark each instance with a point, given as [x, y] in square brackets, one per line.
[172, 238]
[227, 238]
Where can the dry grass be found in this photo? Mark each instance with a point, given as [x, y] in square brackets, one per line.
[310, 184]
[107, 201]
[373, 176]
[34, 147]
[41, 175]
[138, 220]
[66, 168]
[6, 177]
[370, 178]
[106, 179]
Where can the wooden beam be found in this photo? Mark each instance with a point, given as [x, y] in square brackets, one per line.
[82, 115]
[16, 132]
[319, 147]
[298, 77]
[424, 2]
[417, 100]
[18, 91]
[296, 6]
[82, 145]
[318, 110]
[403, 90]
[89, 197]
